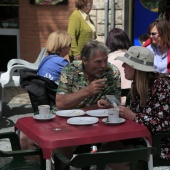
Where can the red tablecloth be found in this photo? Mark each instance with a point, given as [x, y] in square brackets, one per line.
[57, 133]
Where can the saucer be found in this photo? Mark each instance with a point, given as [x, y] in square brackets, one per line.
[120, 121]
[49, 117]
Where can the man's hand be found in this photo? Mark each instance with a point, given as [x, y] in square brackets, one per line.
[96, 86]
[104, 104]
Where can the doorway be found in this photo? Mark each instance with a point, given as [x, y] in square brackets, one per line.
[9, 32]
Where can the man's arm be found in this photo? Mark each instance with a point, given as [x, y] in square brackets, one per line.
[67, 101]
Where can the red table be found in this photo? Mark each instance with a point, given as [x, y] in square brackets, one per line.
[57, 133]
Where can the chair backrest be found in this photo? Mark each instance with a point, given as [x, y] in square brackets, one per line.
[11, 76]
[14, 140]
[40, 57]
[156, 142]
[101, 159]
[15, 157]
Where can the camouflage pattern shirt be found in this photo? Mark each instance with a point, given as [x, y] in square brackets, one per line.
[72, 79]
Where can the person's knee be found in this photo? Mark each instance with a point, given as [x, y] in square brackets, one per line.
[25, 142]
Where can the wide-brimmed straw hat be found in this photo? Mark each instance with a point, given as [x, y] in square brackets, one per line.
[140, 58]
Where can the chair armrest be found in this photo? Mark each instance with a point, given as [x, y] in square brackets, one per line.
[152, 149]
[16, 149]
[13, 62]
[30, 65]
[16, 68]
[7, 76]
[14, 139]
[25, 64]
[21, 153]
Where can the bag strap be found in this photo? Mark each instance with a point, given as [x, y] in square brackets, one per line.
[45, 59]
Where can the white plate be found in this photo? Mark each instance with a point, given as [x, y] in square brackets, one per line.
[49, 117]
[82, 120]
[98, 113]
[70, 113]
[121, 120]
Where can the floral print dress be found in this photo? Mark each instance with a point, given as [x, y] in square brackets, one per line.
[156, 113]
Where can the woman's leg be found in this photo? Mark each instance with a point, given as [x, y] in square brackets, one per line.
[28, 144]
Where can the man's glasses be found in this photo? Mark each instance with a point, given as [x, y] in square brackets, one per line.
[153, 33]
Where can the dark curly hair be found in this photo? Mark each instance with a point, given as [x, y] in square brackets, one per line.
[79, 4]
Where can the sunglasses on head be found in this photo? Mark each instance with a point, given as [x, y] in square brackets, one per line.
[153, 33]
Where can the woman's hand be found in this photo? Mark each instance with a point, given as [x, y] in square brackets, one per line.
[126, 113]
[103, 104]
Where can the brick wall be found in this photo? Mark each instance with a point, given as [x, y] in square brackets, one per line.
[37, 22]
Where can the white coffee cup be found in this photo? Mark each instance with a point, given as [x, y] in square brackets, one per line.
[44, 110]
[113, 115]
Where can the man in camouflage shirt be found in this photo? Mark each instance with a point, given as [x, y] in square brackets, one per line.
[84, 82]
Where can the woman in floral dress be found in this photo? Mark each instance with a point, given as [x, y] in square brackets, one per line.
[150, 94]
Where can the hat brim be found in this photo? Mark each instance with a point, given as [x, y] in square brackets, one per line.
[135, 65]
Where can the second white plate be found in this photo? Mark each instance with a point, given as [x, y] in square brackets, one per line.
[97, 113]
[70, 113]
[82, 120]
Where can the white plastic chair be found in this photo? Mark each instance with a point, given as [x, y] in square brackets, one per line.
[12, 77]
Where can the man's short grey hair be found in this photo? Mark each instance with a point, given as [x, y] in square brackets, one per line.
[92, 47]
